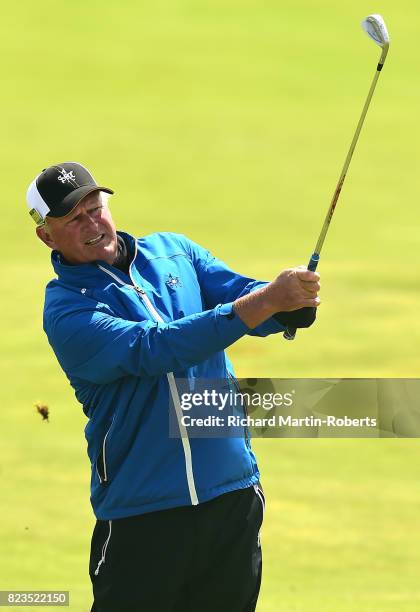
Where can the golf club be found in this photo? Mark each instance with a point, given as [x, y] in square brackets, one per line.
[375, 27]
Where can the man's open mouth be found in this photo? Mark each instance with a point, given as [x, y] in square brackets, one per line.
[95, 240]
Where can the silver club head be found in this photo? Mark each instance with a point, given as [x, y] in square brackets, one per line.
[375, 28]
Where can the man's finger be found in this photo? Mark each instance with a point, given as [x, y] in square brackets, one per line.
[310, 287]
[310, 302]
[307, 275]
[309, 295]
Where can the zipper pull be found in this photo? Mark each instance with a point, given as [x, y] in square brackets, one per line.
[139, 290]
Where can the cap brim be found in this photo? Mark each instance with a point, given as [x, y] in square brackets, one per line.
[72, 200]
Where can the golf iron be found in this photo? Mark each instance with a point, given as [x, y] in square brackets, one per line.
[375, 27]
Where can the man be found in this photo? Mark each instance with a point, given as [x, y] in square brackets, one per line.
[178, 519]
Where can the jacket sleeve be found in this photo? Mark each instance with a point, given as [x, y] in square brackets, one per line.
[94, 345]
[220, 284]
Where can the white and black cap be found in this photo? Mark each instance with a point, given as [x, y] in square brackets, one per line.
[59, 189]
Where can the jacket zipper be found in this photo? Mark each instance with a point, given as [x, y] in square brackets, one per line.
[104, 479]
[171, 381]
[177, 405]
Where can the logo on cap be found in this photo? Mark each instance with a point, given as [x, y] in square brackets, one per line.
[66, 177]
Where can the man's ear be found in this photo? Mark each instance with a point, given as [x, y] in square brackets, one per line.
[43, 234]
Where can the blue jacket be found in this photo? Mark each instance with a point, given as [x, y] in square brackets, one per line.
[122, 340]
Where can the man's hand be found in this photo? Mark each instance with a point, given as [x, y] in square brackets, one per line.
[293, 289]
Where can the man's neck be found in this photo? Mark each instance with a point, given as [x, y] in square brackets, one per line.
[122, 260]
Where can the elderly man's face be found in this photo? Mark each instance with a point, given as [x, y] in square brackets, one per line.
[86, 234]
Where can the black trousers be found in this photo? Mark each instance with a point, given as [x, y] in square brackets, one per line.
[204, 558]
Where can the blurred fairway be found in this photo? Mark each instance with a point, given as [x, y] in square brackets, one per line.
[227, 121]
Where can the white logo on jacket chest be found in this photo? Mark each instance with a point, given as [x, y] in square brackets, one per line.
[173, 281]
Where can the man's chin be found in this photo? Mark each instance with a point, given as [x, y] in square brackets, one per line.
[106, 250]
[107, 253]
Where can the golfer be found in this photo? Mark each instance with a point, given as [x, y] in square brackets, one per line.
[178, 519]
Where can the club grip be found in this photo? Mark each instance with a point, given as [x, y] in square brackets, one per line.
[290, 332]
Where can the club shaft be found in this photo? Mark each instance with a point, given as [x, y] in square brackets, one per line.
[346, 165]
[290, 332]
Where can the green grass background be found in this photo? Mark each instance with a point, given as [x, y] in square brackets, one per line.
[228, 121]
